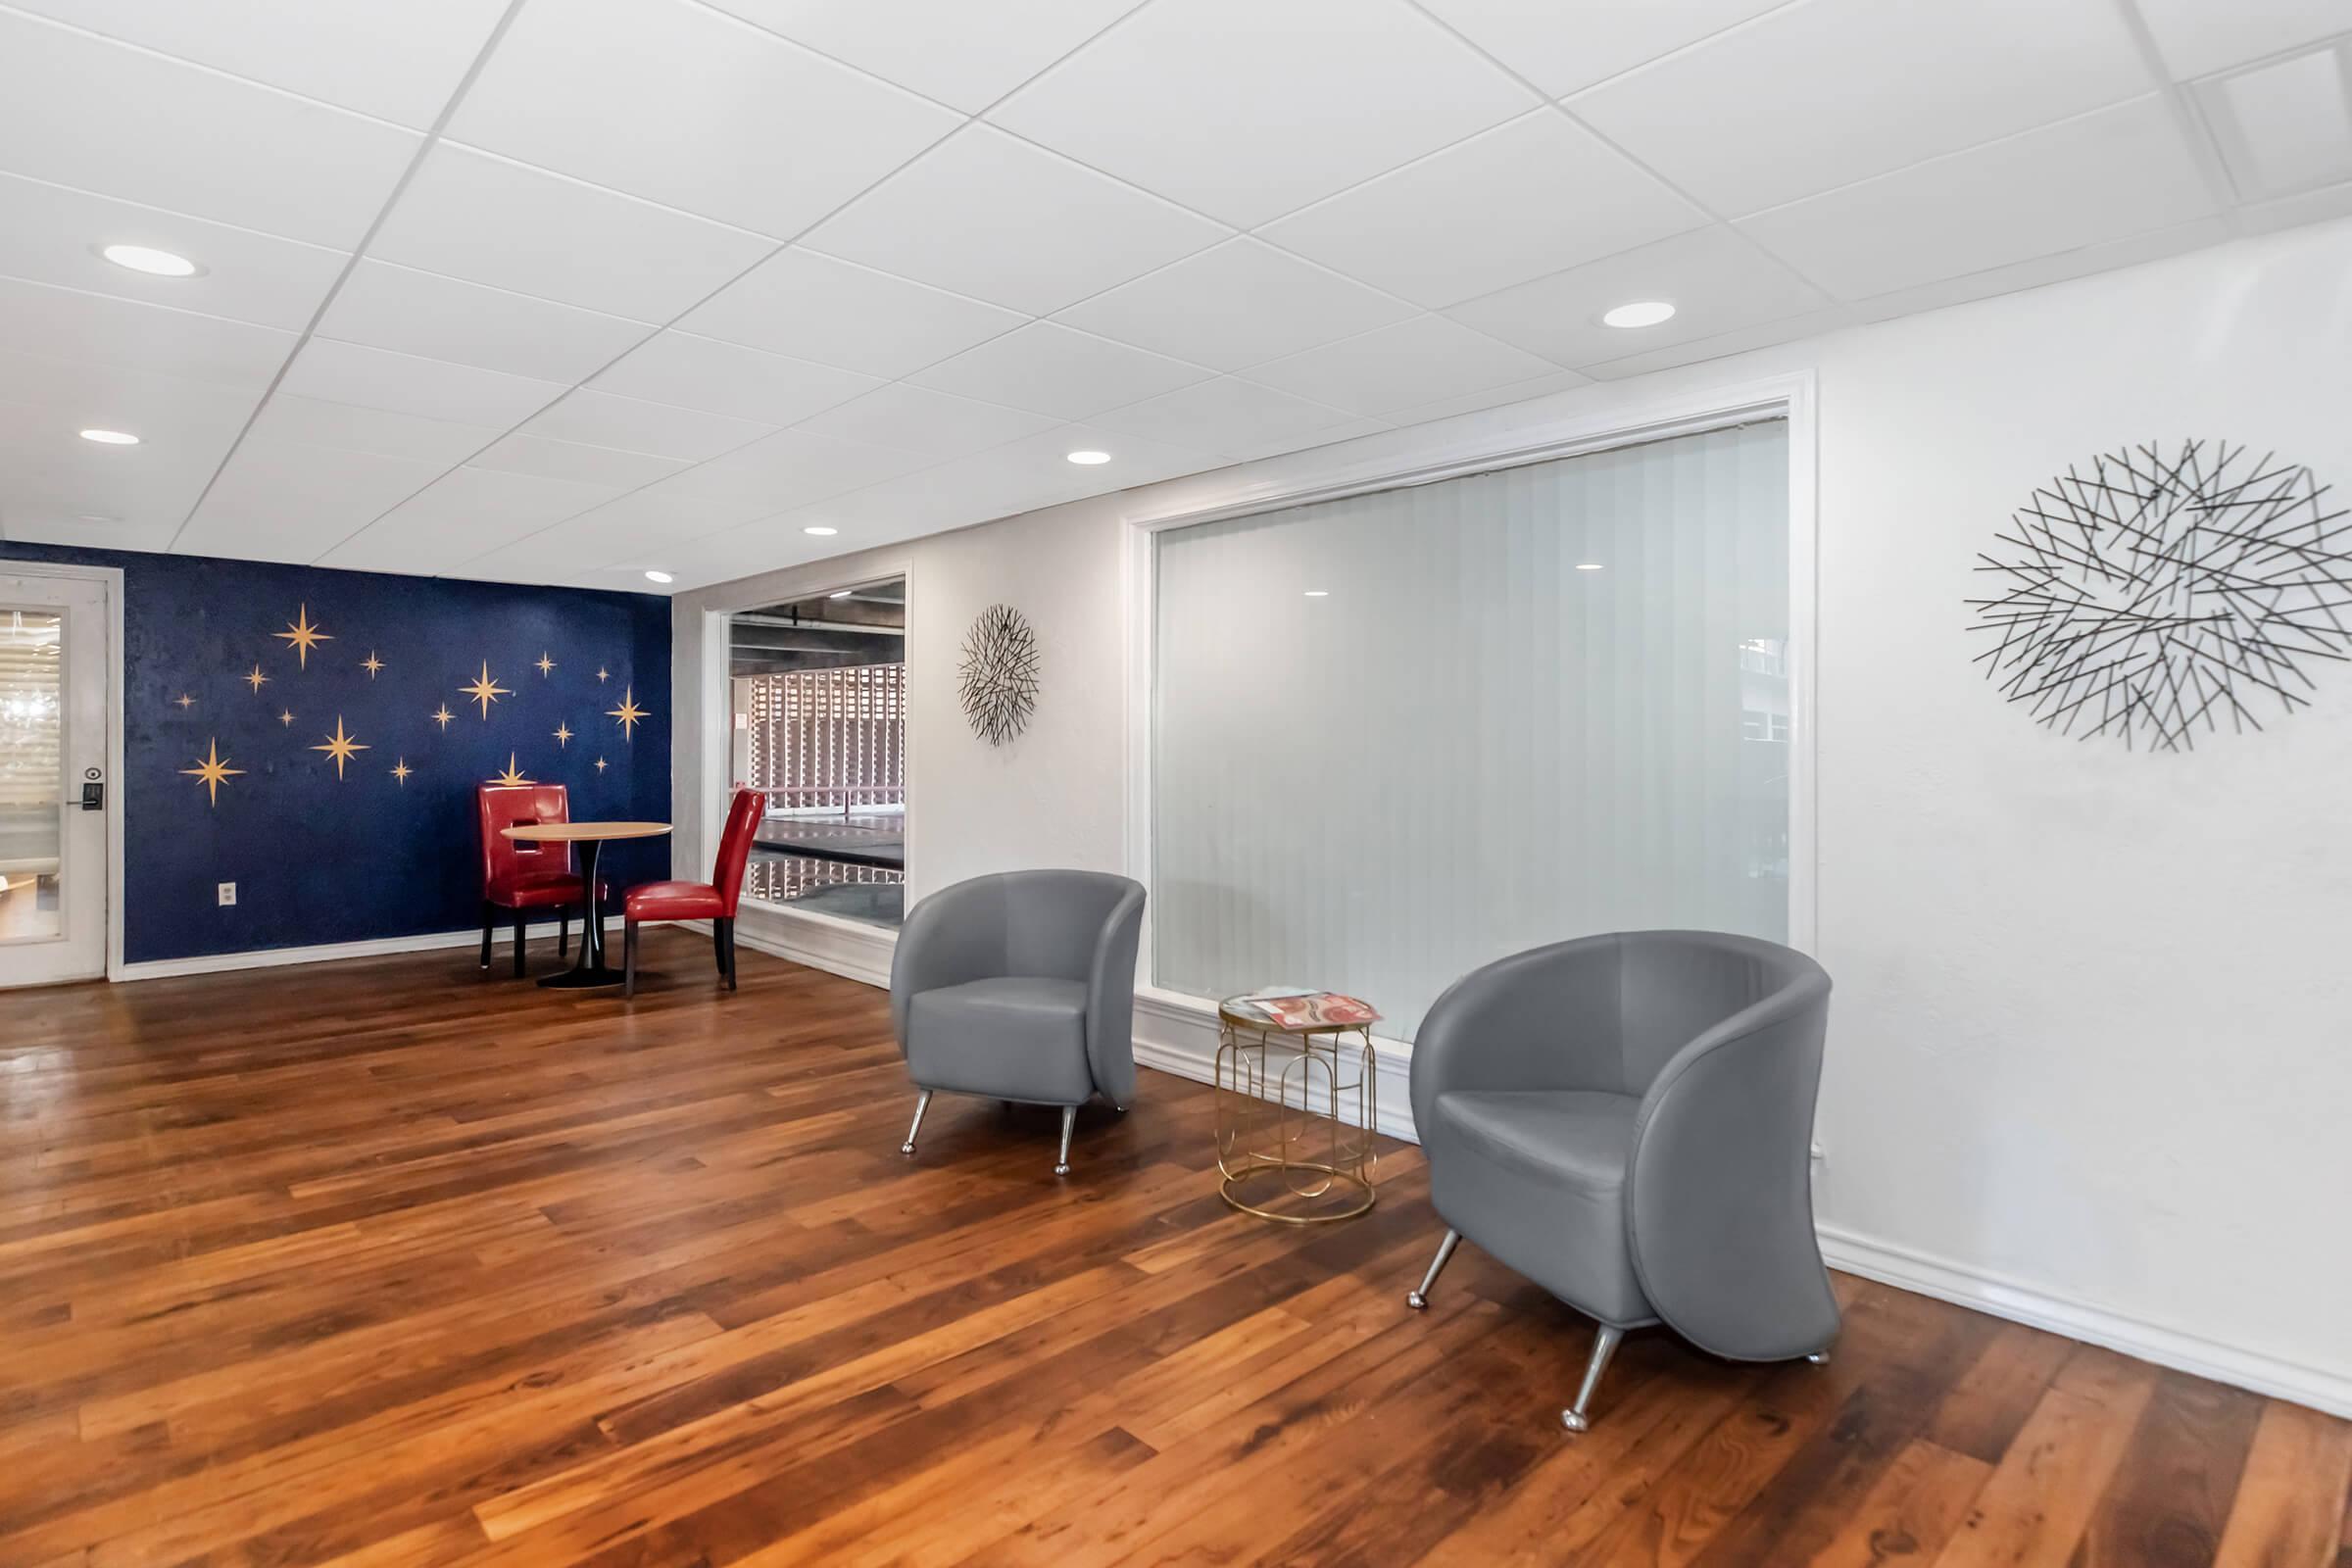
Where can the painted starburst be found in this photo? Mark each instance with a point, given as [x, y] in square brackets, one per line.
[547, 666]
[628, 712]
[372, 663]
[563, 733]
[442, 715]
[302, 636]
[212, 770]
[285, 715]
[340, 747]
[184, 701]
[603, 674]
[401, 770]
[599, 764]
[512, 777]
[485, 691]
[256, 680]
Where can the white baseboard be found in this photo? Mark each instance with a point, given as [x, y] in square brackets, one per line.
[1179, 1035]
[845, 948]
[327, 952]
[1965, 1285]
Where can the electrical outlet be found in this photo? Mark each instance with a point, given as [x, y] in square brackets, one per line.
[228, 894]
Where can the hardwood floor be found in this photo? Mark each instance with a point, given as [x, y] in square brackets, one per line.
[392, 1263]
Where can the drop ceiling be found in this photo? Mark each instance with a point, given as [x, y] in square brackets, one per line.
[564, 291]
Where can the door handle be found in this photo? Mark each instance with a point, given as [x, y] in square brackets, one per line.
[93, 796]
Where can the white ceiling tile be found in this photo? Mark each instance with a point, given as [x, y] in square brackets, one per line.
[814, 306]
[281, 500]
[1528, 198]
[608, 467]
[681, 105]
[2200, 37]
[63, 324]
[403, 383]
[2102, 177]
[700, 372]
[1134, 460]
[988, 216]
[2131, 251]
[1235, 305]
[1563, 48]
[482, 219]
[1397, 367]
[51, 234]
[310, 421]
[632, 424]
[1740, 340]
[1232, 418]
[1716, 280]
[914, 418]
[2283, 125]
[1052, 370]
[931, 46]
[398, 63]
[398, 308]
[1826, 92]
[461, 516]
[1493, 396]
[188, 140]
[50, 478]
[1247, 109]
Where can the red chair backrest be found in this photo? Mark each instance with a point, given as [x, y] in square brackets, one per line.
[513, 805]
[735, 846]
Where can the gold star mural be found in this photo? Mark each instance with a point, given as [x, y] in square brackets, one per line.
[547, 666]
[256, 680]
[372, 663]
[285, 715]
[184, 701]
[599, 764]
[485, 691]
[340, 747]
[302, 636]
[442, 715]
[512, 777]
[401, 770]
[563, 734]
[602, 674]
[212, 770]
[628, 712]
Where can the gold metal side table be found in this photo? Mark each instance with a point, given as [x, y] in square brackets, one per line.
[1280, 1156]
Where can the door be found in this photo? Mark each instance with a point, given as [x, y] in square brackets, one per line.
[54, 789]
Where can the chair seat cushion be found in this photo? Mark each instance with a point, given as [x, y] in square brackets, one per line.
[534, 891]
[1538, 1178]
[673, 901]
[1013, 1038]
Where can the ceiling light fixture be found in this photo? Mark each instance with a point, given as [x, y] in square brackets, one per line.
[844, 594]
[1587, 565]
[1088, 459]
[1319, 593]
[147, 258]
[821, 530]
[1640, 312]
[660, 576]
[111, 438]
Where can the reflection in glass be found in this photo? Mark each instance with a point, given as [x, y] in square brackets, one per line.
[31, 771]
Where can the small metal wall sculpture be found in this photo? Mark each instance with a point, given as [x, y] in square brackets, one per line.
[997, 681]
[2167, 588]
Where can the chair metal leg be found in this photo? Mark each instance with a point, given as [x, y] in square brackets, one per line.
[628, 960]
[1819, 1357]
[1418, 1299]
[922, 1103]
[1604, 1344]
[1069, 1125]
[489, 929]
[563, 934]
[519, 970]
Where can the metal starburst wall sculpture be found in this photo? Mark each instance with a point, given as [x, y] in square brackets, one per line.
[998, 681]
[2167, 590]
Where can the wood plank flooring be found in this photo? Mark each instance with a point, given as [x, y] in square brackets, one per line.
[394, 1264]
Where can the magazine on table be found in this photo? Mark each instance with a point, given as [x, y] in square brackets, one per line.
[1300, 1008]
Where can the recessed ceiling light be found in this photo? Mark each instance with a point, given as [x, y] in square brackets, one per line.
[1640, 312]
[1319, 593]
[111, 438]
[1090, 458]
[844, 594]
[95, 516]
[1587, 565]
[147, 258]
[821, 530]
[660, 576]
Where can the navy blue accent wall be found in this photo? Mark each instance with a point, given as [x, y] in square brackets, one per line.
[320, 859]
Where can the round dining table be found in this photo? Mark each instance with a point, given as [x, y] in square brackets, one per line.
[588, 969]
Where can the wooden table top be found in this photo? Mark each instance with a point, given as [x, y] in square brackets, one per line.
[585, 832]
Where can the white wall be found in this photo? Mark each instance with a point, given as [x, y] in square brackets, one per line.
[2091, 1058]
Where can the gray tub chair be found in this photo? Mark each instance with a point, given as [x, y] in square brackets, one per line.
[1020, 987]
[1628, 1121]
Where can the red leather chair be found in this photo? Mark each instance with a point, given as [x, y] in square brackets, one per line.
[521, 877]
[714, 901]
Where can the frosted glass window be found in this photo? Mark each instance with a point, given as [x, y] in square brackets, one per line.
[1397, 735]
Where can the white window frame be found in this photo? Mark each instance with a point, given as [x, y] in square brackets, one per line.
[1790, 397]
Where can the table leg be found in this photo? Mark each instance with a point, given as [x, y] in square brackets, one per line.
[588, 969]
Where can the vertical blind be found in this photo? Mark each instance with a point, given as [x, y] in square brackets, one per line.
[1397, 735]
[31, 722]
